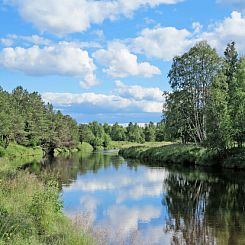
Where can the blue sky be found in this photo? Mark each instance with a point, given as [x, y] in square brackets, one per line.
[108, 60]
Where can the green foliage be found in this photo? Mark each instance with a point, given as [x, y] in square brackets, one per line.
[235, 158]
[43, 207]
[30, 213]
[2, 151]
[15, 156]
[106, 141]
[171, 154]
[97, 129]
[237, 103]
[15, 150]
[107, 128]
[122, 144]
[186, 154]
[135, 133]
[97, 143]
[94, 134]
[85, 147]
[25, 119]
[190, 78]
[207, 104]
[86, 134]
[150, 132]
[219, 128]
[118, 133]
[231, 61]
[161, 134]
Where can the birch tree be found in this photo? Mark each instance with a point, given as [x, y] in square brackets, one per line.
[190, 78]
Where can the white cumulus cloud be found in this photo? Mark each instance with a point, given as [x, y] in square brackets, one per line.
[102, 102]
[162, 42]
[6, 41]
[138, 92]
[35, 39]
[166, 42]
[121, 63]
[230, 29]
[67, 16]
[126, 98]
[60, 59]
[197, 27]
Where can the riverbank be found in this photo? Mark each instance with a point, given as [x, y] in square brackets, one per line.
[82, 147]
[14, 150]
[30, 206]
[115, 145]
[186, 154]
[18, 151]
[15, 156]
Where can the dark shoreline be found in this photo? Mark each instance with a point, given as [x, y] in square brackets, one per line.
[188, 155]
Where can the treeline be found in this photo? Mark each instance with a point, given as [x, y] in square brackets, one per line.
[207, 104]
[101, 135]
[27, 120]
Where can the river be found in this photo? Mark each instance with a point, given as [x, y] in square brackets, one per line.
[127, 202]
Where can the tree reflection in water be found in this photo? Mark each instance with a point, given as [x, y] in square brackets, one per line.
[67, 168]
[205, 207]
[200, 207]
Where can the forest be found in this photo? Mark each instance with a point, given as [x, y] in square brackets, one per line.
[26, 120]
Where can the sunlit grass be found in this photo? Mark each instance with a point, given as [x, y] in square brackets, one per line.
[15, 150]
[168, 153]
[31, 213]
[30, 208]
[127, 144]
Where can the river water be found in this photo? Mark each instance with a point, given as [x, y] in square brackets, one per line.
[127, 202]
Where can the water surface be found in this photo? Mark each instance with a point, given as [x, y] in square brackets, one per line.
[136, 204]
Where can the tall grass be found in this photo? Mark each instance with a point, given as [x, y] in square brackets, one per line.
[82, 147]
[30, 206]
[171, 154]
[127, 144]
[14, 150]
[31, 213]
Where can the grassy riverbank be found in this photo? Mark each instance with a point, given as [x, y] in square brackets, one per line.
[82, 147]
[18, 151]
[31, 213]
[15, 156]
[14, 150]
[186, 154]
[30, 207]
[127, 144]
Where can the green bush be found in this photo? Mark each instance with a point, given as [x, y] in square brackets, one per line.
[85, 147]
